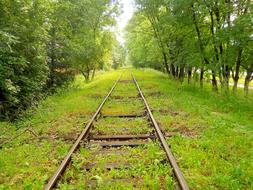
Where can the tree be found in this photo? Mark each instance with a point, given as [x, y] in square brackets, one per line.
[23, 68]
[58, 44]
[89, 24]
[43, 42]
[118, 55]
[142, 47]
[196, 38]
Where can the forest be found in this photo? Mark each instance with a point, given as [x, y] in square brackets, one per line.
[45, 43]
[204, 40]
[126, 94]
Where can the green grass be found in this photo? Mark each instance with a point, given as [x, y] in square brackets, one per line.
[140, 168]
[213, 145]
[241, 81]
[217, 152]
[116, 126]
[123, 107]
[28, 161]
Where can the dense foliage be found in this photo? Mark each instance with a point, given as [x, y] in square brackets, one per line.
[44, 43]
[205, 39]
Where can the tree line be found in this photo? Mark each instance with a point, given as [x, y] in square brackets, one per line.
[44, 43]
[194, 39]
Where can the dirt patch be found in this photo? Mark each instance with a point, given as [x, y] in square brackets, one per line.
[107, 166]
[135, 181]
[122, 97]
[121, 131]
[125, 81]
[125, 100]
[78, 115]
[150, 86]
[183, 129]
[69, 137]
[53, 135]
[110, 151]
[167, 111]
[95, 95]
[154, 94]
[69, 121]
[117, 97]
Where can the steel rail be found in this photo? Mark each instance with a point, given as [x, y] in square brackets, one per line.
[53, 180]
[179, 175]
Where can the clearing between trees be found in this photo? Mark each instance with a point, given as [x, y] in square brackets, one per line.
[210, 135]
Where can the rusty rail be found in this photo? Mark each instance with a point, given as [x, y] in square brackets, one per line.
[179, 175]
[53, 180]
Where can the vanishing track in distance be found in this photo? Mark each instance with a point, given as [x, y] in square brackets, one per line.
[104, 143]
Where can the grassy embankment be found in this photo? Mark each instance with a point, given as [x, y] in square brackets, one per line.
[29, 160]
[213, 144]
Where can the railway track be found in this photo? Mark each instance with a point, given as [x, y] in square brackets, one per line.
[122, 143]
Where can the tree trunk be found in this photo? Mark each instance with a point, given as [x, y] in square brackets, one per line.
[217, 59]
[93, 73]
[177, 72]
[221, 78]
[201, 77]
[226, 69]
[189, 74]
[226, 77]
[214, 81]
[228, 2]
[235, 85]
[173, 70]
[165, 63]
[248, 78]
[181, 73]
[86, 75]
[201, 46]
[195, 75]
[237, 69]
[160, 43]
[246, 84]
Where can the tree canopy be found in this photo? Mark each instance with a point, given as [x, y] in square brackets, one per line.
[205, 39]
[44, 43]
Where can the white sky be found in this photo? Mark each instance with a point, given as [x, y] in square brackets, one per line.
[128, 10]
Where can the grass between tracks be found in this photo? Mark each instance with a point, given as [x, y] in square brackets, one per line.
[213, 145]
